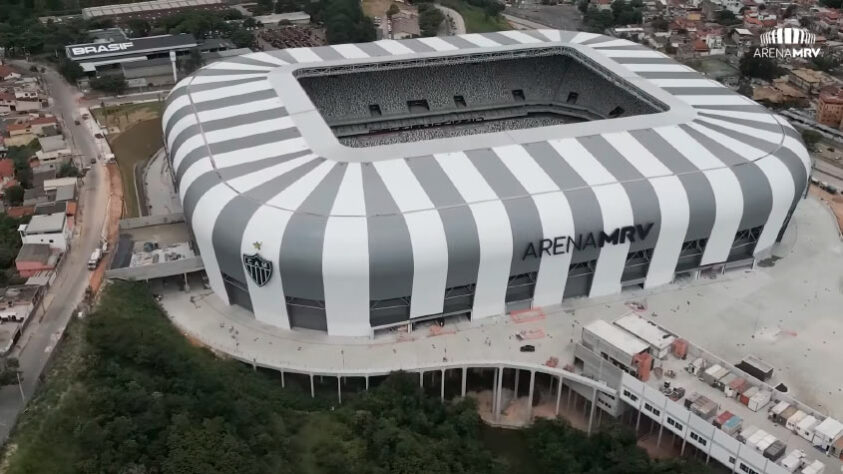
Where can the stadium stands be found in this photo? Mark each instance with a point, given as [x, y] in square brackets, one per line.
[423, 101]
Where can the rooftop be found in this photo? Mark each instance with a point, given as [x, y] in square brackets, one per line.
[646, 330]
[34, 253]
[122, 9]
[46, 224]
[617, 337]
[53, 143]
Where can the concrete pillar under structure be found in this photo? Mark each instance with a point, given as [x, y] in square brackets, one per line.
[659, 439]
[500, 393]
[464, 375]
[421, 378]
[637, 423]
[442, 388]
[558, 394]
[530, 396]
[339, 390]
[593, 407]
[570, 390]
[282, 379]
[515, 385]
[312, 388]
[367, 383]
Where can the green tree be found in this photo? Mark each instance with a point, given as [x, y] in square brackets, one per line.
[139, 27]
[726, 17]
[826, 63]
[429, 19]
[70, 70]
[811, 139]
[762, 68]
[13, 195]
[111, 83]
[393, 10]
[242, 38]
[67, 169]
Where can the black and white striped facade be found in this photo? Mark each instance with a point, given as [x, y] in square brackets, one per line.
[366, 237]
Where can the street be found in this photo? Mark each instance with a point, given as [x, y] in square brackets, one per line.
[68, 289]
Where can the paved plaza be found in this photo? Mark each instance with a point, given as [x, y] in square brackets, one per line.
[787, 312]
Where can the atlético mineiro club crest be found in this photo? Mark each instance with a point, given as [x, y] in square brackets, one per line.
[258, 268]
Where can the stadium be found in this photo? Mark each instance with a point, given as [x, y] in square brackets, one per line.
[354, 188]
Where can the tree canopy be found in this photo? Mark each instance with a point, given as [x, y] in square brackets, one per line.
[136, 397]
[762, 68]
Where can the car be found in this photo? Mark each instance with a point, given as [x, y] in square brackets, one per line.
[93, 161]
[98, 135]
[528, 348]
[77, 122]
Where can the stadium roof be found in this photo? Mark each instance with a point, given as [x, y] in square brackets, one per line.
[141, 7]
[248, 146]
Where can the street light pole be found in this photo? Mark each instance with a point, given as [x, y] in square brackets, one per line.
[20, 387]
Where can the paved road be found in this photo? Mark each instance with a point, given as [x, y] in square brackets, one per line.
[563, 17]
[123, 99]
[459, 23]
[68, 289]
[161, 197]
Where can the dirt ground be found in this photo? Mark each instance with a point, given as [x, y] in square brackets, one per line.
[115, 210]
[132, 148]
[119, 118]
[835, 203]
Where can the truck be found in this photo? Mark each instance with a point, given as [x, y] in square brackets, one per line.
[96, 256]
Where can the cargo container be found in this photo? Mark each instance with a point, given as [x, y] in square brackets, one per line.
[794, 420]
[719, 376]
[722, 418]
[680, 348]
[696, 367]
[747, 394]
[827, 432]
[759, 400]
[660, 341]
[756, 368]
[738, 386]
[765, 443]
[777, 409]
[614, 343]
[726, 383]
[815, 467]
[782, 417]
[690, 399]
[775, 451]
[709, 376]
[805, 428]
[793, 461]
[747, 433]
[733, 425]
[704, 407]
[756, 438]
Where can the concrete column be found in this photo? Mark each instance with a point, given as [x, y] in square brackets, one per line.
[570, 390]
[659, 439]
[558, 394]
[421, 378]
[312, 388]
[282, 379]
[442, 393]
[367, 383]
[637, 423]
[530, 396]
[500, 394]
[495, 392]
[464, 375]
[339, 390]
[593, 407]
[515, 386]
[682, 451]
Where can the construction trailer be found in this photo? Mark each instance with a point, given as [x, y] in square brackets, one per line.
[623, 349]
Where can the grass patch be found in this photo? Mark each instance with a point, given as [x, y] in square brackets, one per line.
[124, 116]
[476, 20]
[136, 145]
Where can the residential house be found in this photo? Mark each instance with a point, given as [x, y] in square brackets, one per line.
[49, 229]
[8, 74]
[810, 80]
[830, 106]
[34, 258]
[7, 103]
[53, 153]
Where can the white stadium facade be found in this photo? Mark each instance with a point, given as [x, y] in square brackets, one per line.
[354, 187]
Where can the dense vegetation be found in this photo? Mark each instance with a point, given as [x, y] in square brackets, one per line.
[344, 21]
[129, 394]
[429, 19]
[9, 246]
[758, 67]
[621, 13]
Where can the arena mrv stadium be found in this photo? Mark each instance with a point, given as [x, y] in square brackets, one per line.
[355, 187]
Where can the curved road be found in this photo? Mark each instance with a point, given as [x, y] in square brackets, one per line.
[45, 329]
[459, 23]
